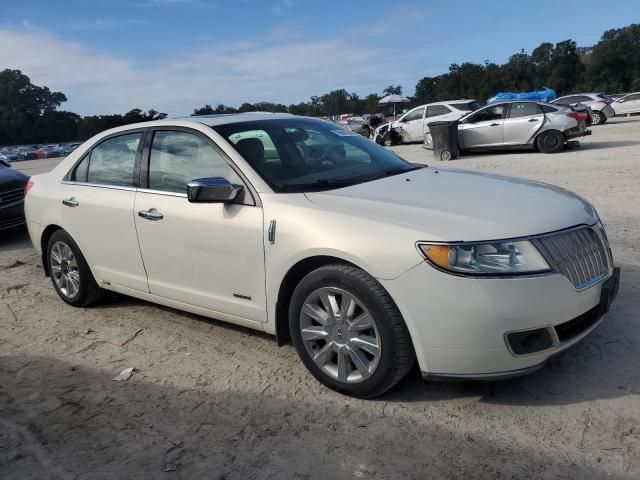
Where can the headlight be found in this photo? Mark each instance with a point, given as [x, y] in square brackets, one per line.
[492, 258]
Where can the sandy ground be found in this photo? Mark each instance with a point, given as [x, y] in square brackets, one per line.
[209, 400]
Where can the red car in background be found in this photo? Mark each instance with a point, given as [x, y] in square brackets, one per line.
[48, 151]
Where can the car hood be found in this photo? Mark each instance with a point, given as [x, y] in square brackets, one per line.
[11, 179]
[455, 205]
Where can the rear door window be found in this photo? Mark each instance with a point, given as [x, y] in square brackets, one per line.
[466, 107]
[524, 109]
[112, 162]
[79, 173]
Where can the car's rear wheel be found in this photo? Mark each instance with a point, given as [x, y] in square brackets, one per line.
[70, 274]
[551, 141]
[348, 331]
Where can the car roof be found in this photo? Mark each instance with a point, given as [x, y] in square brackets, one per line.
[224, 118]
[446, 102]
[459, 100]
[577, 94]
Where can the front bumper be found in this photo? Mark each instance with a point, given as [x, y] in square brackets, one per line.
[12, 215]
[459, 324]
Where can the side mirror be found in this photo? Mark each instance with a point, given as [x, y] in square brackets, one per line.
[212, 190]
[5, 163]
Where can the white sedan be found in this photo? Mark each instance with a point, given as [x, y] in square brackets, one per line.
[365, 261]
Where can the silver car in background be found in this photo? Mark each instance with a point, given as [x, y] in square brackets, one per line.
[517, 124]
[600, 104]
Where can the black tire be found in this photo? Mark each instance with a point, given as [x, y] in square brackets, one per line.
[396, 350]
[551, 141]
[88, 292]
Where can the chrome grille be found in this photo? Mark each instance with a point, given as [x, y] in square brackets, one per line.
[11, 196]
[579, 254]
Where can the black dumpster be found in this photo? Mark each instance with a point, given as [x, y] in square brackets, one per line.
[444, 138]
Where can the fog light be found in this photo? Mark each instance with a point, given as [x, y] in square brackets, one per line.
[529, 341]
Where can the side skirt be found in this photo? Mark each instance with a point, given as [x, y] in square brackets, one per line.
[205, 312]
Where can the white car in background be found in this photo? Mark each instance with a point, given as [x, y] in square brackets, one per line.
[412, 126]
[628, 104]
[365, 261]
[599, 103]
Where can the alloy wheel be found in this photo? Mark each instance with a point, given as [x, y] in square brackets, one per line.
[340, 335]
[64, 269]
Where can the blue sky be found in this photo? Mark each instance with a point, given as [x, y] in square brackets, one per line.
[108, 56]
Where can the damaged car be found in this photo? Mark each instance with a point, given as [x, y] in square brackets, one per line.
[519, 124]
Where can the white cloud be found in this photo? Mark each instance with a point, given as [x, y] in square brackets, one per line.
[99, 82]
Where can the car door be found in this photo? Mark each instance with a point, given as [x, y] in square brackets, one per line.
[209, 255]
[523, 120]
[97, 209]
[484, 128]
[413, 125]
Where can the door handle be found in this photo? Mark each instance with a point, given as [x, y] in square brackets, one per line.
[494, 124]
[150, 214]
[70, 202]
[533, 119]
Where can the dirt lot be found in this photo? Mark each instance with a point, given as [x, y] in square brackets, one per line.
[209, 400]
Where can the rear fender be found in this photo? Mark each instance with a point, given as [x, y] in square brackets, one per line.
[541, 128]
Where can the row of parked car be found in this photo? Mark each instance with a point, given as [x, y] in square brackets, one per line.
[32, 152]
[510, 123]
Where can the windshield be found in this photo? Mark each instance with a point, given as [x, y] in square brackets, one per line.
[302, 154]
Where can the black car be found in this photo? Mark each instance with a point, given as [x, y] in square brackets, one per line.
[12, 184]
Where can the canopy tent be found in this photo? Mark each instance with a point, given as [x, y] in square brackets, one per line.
[393, 100]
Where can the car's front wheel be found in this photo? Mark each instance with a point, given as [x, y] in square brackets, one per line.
[348, 331]
[70, 274]
[551, 141]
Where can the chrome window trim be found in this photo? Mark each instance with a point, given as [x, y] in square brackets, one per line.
[132, 189]
[162, 192]
[99, 185]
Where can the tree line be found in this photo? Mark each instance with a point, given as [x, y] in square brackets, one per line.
[31, 114]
